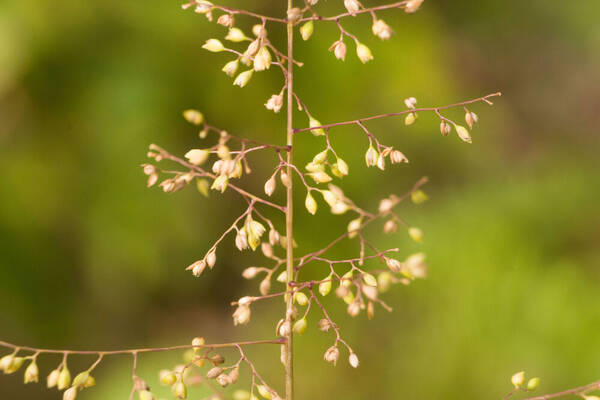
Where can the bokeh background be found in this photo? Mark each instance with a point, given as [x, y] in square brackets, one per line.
[89, 257]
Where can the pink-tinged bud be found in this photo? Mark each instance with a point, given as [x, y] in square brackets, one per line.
[265, 286]
[339, 50]
[152, 179]
[364, 53]
[294, 14]
[382, 30]
[211, 258]
[471, 118]
[250, 272]
[390, 226]
[445, 128]
[370, 292]
[353, 309]
[241, 315]
[275, 103]
[214, 372]
[371, 156]
[213, 45]
[197, 267]
[241, 240]
[332, 355]
[410, 102]
[415, 265]
[234, 375]
[324, 325]
[223, 380]
[267, 249]
[352, 6]
[285, 179]
[70, 393]
[226, 20]
[259, 30]
[385, 206]
[273, 237]
[397, 157]
[353, 360]
[285, 328]
[393, 264]
[270, 186]
[412, 6]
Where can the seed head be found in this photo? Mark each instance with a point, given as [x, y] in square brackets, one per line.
[332, 355]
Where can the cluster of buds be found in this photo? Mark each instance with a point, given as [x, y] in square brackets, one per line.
[518, 381]
[333, 196]
[373, 158]
[413, 267]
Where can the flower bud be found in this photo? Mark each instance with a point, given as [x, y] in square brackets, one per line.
[265, 286]
[197, 156]
[384, 281]
[385, 206]
[242, 395]
[463, 133]
[285, 179]
[410, 102]
[275, 103]
[64, 378]
[410, 119]
[381, 30]
[262, 60]
[52, 379]
[393, 264]
[353, 309]
[294, 14]
[223, 380]
[371, 157]
[332, 354]
[307, 29]
[354, 227]
[231, 67]
[412, 6]
[353, 360]
[301, 298]
[352, 6]
[325, 287]
[311, 204]
[243, 78]
[364, 53]
[226, 20]
[70, 393]
[241, 315]
[300, 326]
[213, 45]
[259, 30]
[285, 328]
[415, 234]
[241, 240]
[469, 119]
[339, 50]
[211, 258]
[81, 378]
[324, 325]
[235, 35]
[179, 389]
[312, 122]
[341, 166]
[533, 383]
[518, 379]
[220, 183]
[250, 272]
[370, 280]
[31, 372]
[193, 117]
[145, 395]
[234, 375]
[15, 365]
[214, 372]
[390, 226]
[320, 177]
[418, 196]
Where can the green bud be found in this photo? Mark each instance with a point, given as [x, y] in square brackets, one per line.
[325, 287]
[312, 122]
[64, 378]
[31, 373]
[416, 234]
[370, 280]
[419, 197]
[301, 298]
[145, 395]
[533, 383]
[167, 378]
[203, 186]
[179, 390]
[81, 378]
[300, 326]
[307, 30]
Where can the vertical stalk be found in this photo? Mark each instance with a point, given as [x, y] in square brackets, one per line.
[289, 366]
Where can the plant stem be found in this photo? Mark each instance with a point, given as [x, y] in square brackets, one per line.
[289, 211]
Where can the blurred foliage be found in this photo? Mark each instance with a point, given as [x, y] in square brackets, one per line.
[91, 258]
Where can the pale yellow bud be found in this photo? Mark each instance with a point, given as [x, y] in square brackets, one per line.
[300, 326]
[275, 103]
[213, 45]
[220, 183]
[52, 379]
[81, 378]
[259, 30]
[241, 395]
[265, 286]
[354, 227]
[364, 53]
[371, 156]
[410, 102]
[325, 287]
[250, 272]
[339, 50]
[301, 298]
[285, 179]
[410, 119]
[270, 186]
[415, 234]
[241, 315]
[31, 373]
[339, 208]
[415, 266]
[262, 60]
[390, 226]
[353, 309]
[231, 67]
[243, 78]
[419, 197]
[381, 30]
[310, 204]
[312, 122]
[203, 186]
[518, 379]
[179, 389]
[463, 133]
[353, 360]
[533, 383]
[64, 378]
[307, 29]
[370, 280]
[282, 277]
[384, 281]
[321, 177]
[329, 197]
[235, 35]
[341, 166]
[320, 157]
[197, 156]
[294, 14]
[312, 167]
[145, 395]
[193, 117]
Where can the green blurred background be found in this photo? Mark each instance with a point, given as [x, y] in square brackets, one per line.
[91, 258]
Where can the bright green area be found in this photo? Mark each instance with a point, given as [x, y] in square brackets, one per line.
[91, 258]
